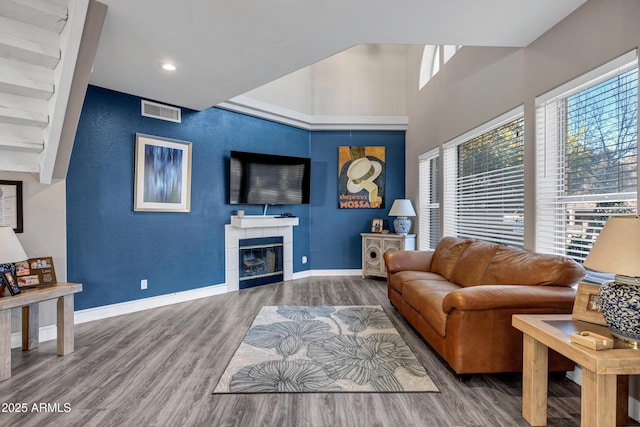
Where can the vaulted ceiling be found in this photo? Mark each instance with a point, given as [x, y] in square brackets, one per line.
[225, 48]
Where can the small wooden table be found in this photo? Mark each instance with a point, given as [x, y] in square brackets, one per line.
[599, 368]
[29, 299]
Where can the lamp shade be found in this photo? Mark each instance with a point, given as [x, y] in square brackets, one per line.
[10, 247]
[617, 249]
[402, 207]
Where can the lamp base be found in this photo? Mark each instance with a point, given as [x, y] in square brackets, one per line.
[620, 303]
[402, 225]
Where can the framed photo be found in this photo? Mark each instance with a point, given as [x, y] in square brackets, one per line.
[162, 174]
[377, 225]
[35, 272]
[11, 205]
[586, 306]
[11, 283]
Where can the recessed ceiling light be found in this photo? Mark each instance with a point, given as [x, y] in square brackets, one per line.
[169, 67]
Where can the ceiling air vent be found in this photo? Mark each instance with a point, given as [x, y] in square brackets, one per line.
[160, 111]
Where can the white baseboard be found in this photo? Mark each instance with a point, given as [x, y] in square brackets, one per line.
[97, 313]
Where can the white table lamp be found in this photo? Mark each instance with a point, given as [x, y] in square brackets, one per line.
[402, 208]
[10, 248]
[617, 251]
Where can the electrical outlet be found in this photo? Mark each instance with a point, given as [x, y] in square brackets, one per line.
[143, 284]
[304, 259]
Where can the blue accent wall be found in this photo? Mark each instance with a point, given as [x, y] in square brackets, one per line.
[335, 232]
[110, 248]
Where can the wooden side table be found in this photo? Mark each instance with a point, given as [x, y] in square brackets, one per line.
[29, 299]
[375, 245]
[599, 368]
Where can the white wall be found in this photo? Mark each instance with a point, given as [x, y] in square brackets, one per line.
[366, 80]
[45, 232]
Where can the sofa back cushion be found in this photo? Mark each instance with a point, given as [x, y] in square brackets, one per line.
[446, 255]
[521, 267]
[473, 262]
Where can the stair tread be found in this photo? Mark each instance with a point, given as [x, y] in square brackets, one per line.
[35, 12]
[25, 86]
[28, 51]
[17, 116]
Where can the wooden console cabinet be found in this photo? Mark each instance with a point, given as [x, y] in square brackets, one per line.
[374, 245]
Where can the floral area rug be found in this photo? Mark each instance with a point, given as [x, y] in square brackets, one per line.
[323, 349]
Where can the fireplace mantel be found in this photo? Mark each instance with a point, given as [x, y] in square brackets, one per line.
[263, 221]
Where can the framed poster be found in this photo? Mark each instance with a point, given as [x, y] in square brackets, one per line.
[11, 205]
[162, 174]
[361, 177]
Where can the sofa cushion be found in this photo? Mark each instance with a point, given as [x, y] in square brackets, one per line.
[397, 280]
[473, 262]
[426, 296]
[521, 267]
[447, 254]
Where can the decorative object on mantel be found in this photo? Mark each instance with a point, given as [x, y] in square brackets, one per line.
[11, 205]
[11, 251]
[402, 208]
[323, 349]
[617, 250]
[162, 174]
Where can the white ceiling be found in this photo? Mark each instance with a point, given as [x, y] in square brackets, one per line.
[226, 48]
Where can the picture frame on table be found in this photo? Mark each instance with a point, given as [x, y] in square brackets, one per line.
[586, 306]
[10, 282]
[162, 174]
[11, 205]
[377, 225]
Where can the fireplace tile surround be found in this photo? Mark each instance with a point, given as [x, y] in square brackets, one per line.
[252, 227]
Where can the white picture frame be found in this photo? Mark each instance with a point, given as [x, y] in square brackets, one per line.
[162, 174]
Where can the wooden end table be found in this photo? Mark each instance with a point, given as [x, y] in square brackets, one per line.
[599, 368]
[29, 299]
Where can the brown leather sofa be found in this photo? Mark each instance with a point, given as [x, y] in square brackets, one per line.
[461, 297]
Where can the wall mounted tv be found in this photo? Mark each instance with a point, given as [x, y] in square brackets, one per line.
[267, 179]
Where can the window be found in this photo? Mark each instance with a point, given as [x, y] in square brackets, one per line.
[429, 209]
[430, 64]
[587, 148]
[483, 195]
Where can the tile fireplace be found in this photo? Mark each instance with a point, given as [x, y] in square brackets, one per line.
[252, 227]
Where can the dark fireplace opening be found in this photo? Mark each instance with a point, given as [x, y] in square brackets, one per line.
[260, 261]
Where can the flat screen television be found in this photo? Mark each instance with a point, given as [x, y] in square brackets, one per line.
[268, 179]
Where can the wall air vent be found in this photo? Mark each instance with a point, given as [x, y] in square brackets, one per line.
[162, 112]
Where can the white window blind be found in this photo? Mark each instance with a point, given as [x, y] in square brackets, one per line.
[587, 148]
[429, 193]
[484, 182]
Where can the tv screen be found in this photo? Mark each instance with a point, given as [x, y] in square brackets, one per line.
[267, 179]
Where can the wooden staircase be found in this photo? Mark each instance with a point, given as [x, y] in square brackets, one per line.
[40, 45]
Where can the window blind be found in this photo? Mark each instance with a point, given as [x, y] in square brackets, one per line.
[586, 143]
[429, 193]
[484, 183]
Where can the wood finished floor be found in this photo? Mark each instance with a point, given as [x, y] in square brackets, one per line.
[158, 368]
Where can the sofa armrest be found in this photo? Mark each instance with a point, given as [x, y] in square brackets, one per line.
[488, 297]
[407, 261]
